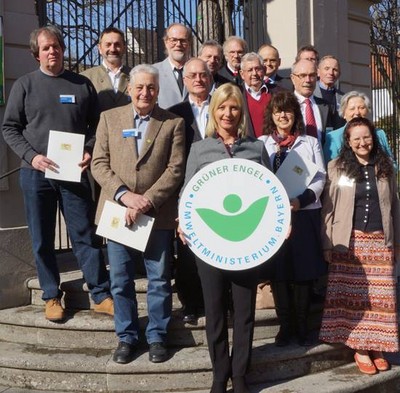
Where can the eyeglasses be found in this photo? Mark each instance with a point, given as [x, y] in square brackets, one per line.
[193, 75]
[174, 41]
[304, 76]
[236, 52]
[256, 69]
[357, 141]
[279, 113]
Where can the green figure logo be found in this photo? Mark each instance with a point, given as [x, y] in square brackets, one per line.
[234, 227]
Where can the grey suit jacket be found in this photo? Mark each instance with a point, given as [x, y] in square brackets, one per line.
[108, 99]
[169, 94]
[212, 149]
[156, 172]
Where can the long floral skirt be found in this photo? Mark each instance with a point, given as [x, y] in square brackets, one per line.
[360, 306]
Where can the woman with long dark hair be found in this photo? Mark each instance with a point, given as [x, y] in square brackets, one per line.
[361, 242]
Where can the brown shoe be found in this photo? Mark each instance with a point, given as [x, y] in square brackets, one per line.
[54, 310]
[105, 307]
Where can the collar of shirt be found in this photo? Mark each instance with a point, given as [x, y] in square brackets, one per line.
[256, 94]
[322, 86]
[232, 70]
[317, 115]
[270, 79]
[302, 99]
[200, 113]
[114, 76]
[173, 66]
[205, 102]
[110, 71]
[136, 116]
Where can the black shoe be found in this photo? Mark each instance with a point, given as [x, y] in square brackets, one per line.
[304, 340]
[124, 353]
[283, 338]
[239, 385]
[158, 353]
[190, 319]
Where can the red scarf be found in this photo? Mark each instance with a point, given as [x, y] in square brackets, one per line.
[287, 142]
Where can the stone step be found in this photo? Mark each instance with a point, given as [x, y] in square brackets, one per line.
[342, 379]
[92, 370]
[76, 293]
[86, 329]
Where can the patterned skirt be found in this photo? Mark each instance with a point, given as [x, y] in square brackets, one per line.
[360, 307]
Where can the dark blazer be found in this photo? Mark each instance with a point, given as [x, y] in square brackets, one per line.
[156, 172]
[323, 107]
[192, 132]
[226, 73]
[334, 121]
[108, 99]
[169, 94]
[219, 80]
[324, 111]
[281, 82]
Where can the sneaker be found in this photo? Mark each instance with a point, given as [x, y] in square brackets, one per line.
[105, 307]
[54, 310]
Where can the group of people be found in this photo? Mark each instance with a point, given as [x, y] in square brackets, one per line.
[150, 129]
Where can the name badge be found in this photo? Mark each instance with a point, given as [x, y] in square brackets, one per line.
[345, 181]
[67, 99]
[131, 132]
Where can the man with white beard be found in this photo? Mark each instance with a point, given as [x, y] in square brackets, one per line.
[177, 41]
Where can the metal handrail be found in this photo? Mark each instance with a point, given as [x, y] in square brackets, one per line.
[9, 173]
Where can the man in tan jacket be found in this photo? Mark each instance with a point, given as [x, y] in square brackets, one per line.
[111, 78]
[138, 160]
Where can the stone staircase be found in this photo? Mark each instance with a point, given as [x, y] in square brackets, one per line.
[76, 356]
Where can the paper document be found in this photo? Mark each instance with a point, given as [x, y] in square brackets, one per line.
[66, 150]
[112, 226]
[296, 173]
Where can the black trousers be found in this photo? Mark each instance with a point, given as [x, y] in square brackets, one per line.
[219, 286]
[187, 280]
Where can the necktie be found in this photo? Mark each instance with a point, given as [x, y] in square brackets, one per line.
[180, 78]
[311, 124]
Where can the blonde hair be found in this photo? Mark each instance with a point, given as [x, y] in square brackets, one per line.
[222, 94]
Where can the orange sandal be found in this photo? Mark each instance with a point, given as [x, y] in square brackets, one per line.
[366, 368]
[381, 364]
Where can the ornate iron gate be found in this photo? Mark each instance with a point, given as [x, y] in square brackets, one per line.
[386, 99]
[143, 22]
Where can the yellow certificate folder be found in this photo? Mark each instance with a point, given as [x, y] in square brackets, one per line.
[66, 150]
[112, 226]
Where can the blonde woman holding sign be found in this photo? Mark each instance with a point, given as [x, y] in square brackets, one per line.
[226, 138]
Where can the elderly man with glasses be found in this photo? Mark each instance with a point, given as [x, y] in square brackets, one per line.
[314, 109]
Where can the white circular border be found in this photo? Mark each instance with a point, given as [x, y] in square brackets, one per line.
[251, 181]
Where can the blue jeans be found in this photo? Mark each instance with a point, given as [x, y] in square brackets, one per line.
[41, 196]
[159, 293]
